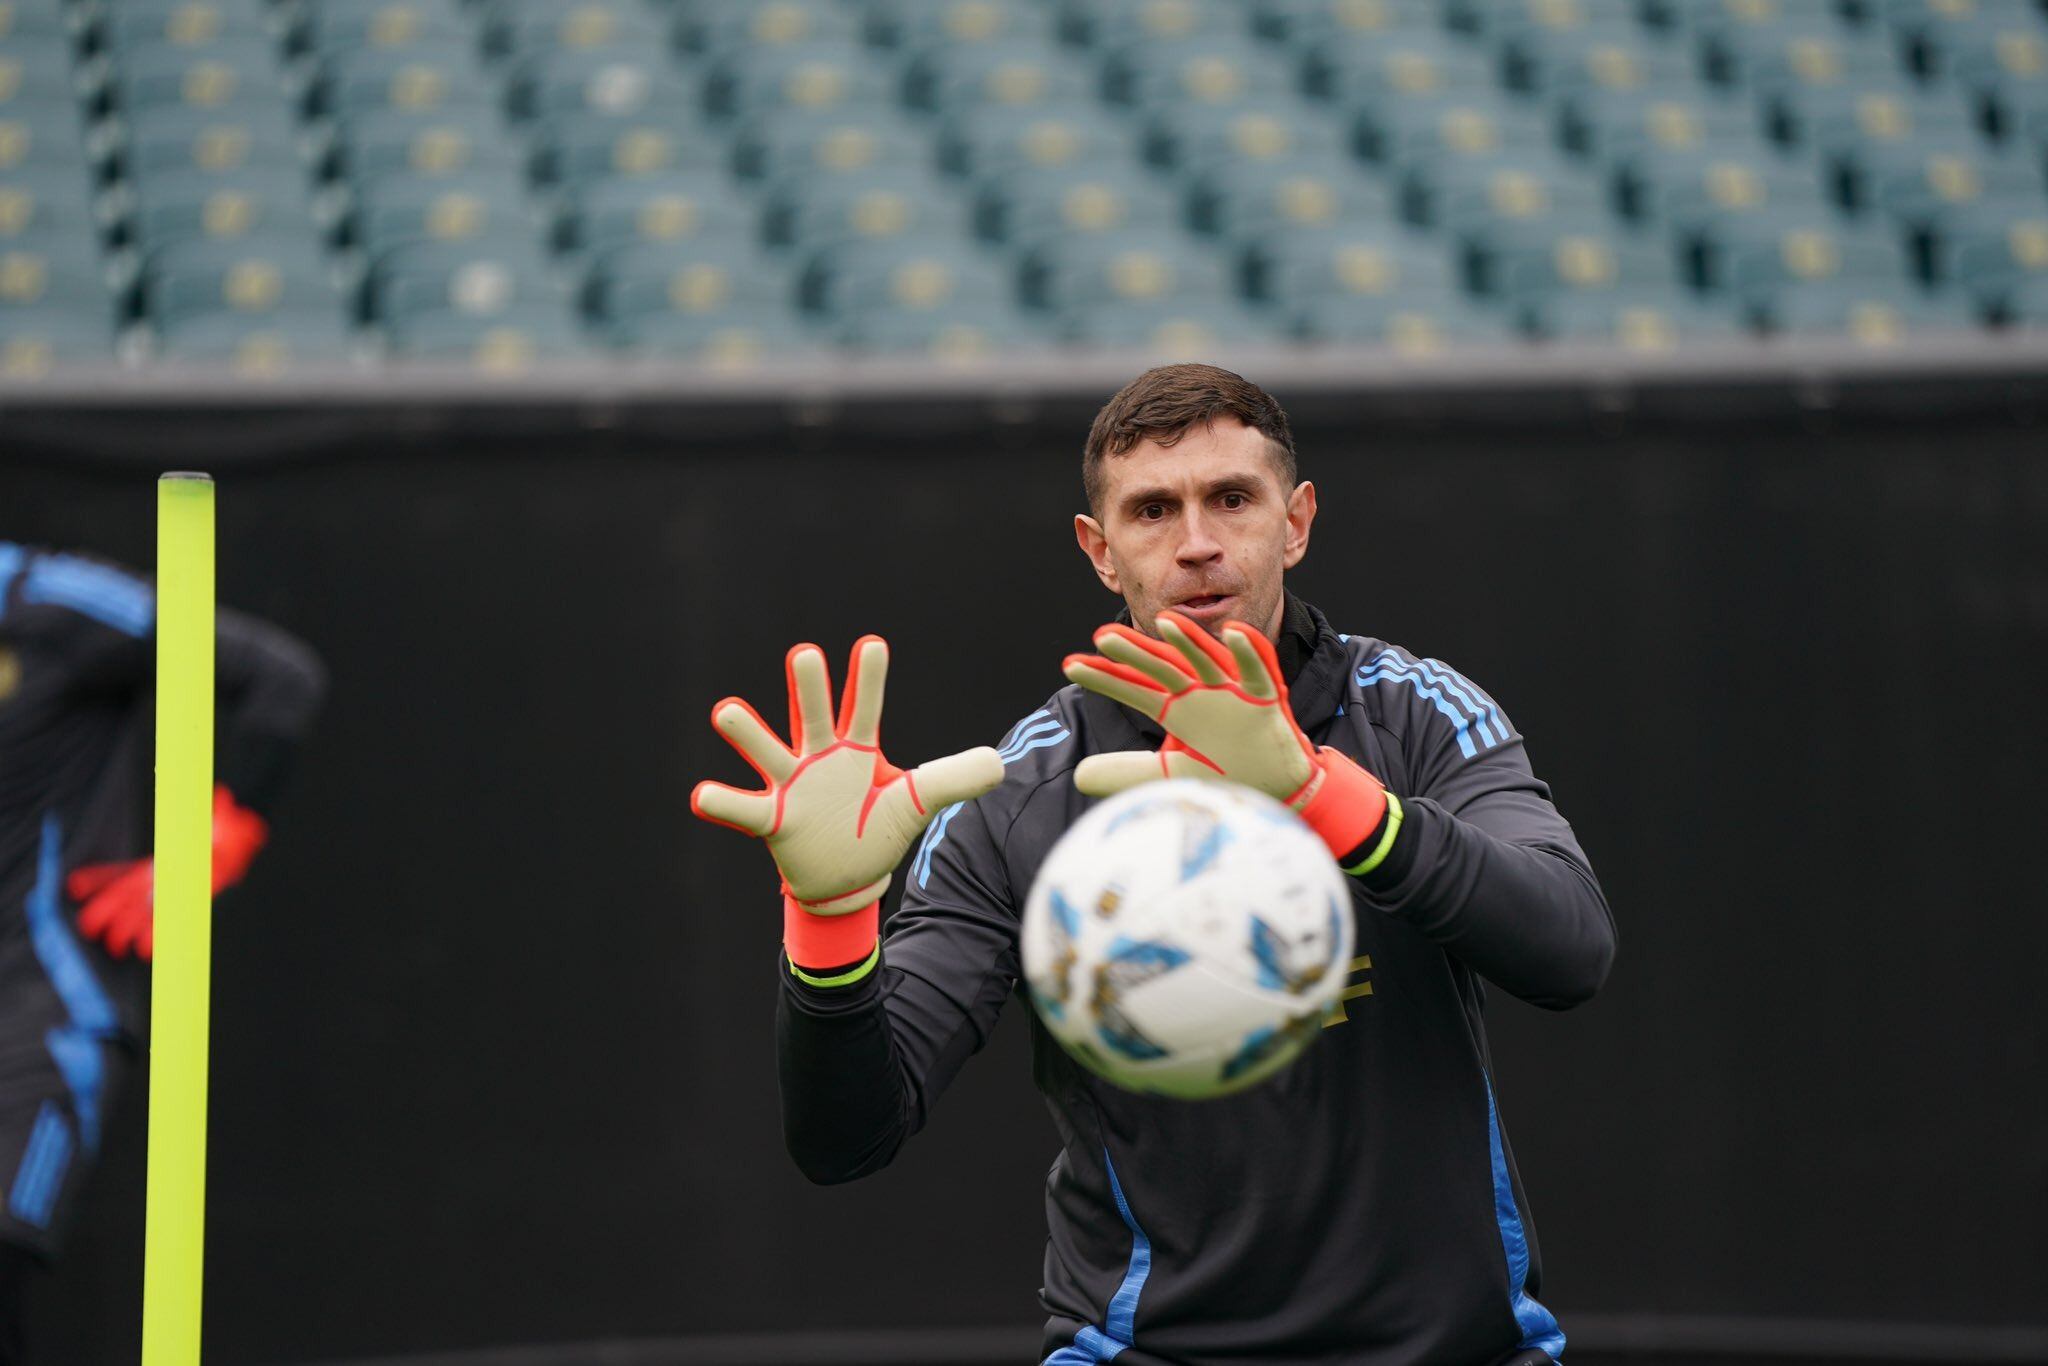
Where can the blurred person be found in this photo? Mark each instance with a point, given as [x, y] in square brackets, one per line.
[77, 665]
[1363, 1205]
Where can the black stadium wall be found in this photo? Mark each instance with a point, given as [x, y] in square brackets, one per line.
[493, 1059]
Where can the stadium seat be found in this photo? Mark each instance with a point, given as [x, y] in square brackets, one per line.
[1836, 119]
[52, 276]
[1926, 183]
[1370, 69]
[188, 25]
[960, 25]
[212, 141]
[49, 139]
[953, 335]
[1874, 316]
[245, 205]
[1417, 326]
[2027, 308]
[624, 82]
[1303, 24]
[905, 274]
[413, 25]
[272, 273]
[1813, 50]
[1653, 323]
[1432, 129]
[724, 27]
[577, 148]
[483, 280]
[1523, 267]
[1692, 190]
[225, 77]
[723, 281]
[1023, 205]
[1296, 269]
[681, 206]
[1011, 76]
[1611, 127]
[983, 143]
[35, 79]
[810, 75]
[478, 208]
[1754, 258]
[454, 141]
[1490, 193]
[1193, 138]
[1238, 203]
[260, 345]
[1195, 71]
[1986, 51]
[1553, 63]
[28, 20]
[1996, 251]
[525, 26]
[33, 340]
[724, 344]
[34, 212]
[890, 202]
[1116, 23]
[373, 77]
[783, 143]
[1062, 273]
[1179, 329]
[508, 342]
[1511, 19]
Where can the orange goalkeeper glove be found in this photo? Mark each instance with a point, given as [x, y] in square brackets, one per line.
[117, 901]
[1224, 709]
[836, 815]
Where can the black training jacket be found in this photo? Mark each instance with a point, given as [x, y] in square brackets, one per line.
[1362, 1207]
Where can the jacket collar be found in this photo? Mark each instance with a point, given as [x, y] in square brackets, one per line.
[1311, 656]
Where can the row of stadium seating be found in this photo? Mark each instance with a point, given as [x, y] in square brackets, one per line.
[505, 180]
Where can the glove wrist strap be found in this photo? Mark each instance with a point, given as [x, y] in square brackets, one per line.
[1348, 806]
[824, 941]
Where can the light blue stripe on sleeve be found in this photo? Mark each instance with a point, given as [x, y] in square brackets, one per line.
[41, 1175]
[1382, 669]
[94, 590]
[10, 564]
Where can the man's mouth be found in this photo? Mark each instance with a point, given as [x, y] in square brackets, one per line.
[1202, 602]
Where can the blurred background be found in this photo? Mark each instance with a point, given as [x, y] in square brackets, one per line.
[1675, 368]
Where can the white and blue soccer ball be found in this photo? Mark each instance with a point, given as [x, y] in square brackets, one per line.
[1187, 938]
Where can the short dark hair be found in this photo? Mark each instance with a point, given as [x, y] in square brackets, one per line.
[1164, 403]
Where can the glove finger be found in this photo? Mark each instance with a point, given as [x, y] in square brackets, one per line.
[1117, 682]
[1258, 670]
[120, 936]
[86, 883]
[810, 699]
[960, 777]
[750, 813]
[860, 711]
[1210, 661]
[746, 732]
[1160, 663]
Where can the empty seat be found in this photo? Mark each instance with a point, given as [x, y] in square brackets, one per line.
[262, 344]
[273, 273]
[923, 25]
[782, 143]
[32, 81]
[1611, 126]
[521, 26]
[1171, 328]
[711, 279]
[1115, 23]
[475, 208]
[799, 76]
[1691, 190]
[444, 142]
[47, 139]
[1205, 70]
[40, 208]
[1814, 51]
[1979, 51]
[1494, 193]
[1030, 203]
[619, 81]
[417, 25]
[1128, 267]
[1457, 125]
[891, 202]
[187, 24]
[1581, 262]
[33, 19]
[1925, 183]
[1008, 75]
[404, 78]
[1303, 24]
[1242, 202]
[1192, 138]
[1996, 251]
[2027, 307]
[217, 77]
[676, 207]
[1298, 267]
[907, 274]
[1875, 316]
[995, 141]
[1510, 19]
[1406, 326]
[577, 148]
[1374, 68]
[724, 343]
[208, 141]
[726, 26]
[1756, 258]
[483, 280]
[33, 340]
[54, 275]
[1557, 63]
[508, 342]
[966, 333]
[1834, 119]
[1642, 324]
[248, 204]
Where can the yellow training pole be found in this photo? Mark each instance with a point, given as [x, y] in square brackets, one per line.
[174, 1248]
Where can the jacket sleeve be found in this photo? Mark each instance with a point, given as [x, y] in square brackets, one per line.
[1485, 865]
[861, 1065]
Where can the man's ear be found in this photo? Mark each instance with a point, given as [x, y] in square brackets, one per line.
[1301, 514]
[1094, 544]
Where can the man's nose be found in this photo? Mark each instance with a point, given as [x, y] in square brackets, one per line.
[1198, 540]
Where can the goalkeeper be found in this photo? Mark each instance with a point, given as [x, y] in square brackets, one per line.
[1361, 1207]
[77, 661]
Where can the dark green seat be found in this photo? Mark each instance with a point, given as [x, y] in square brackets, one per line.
[1754, 257]
[1559, 62]
[1193, 138]
[269, 273]
[676, 207]
[1692, 190]
[906, 275]
[1460, 125]
[527, 26]
[483, 280]
[808, 75]
[1116, 23]
[620, 81]
[1877, 316]
[511, 342]
[387, 25]
[224, 76]
[1295, 269]
[711, 279]
[478, 208]
[1929, 183]
[1586, 261]
[209, 141]
[1370, 69]
[403, 78]
[1613, 127]
[1996, 251]
[1212, 70]
[960, 25]
[1248, 201]
[722, 28]
[813, 211]
[987, 142]
[1011, 76]
[1063, 273]
[860, 140]
[576, 149]
[236, 205]
[462, 140]
[1171, 329]
[1023, 205]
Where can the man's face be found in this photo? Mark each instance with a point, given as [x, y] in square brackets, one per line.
[1203, 526]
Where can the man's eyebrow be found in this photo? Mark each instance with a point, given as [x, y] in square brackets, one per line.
[1220, 484]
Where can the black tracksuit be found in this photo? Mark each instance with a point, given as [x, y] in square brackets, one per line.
[1363, 1206]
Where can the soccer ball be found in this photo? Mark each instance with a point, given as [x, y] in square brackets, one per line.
[1187, 938]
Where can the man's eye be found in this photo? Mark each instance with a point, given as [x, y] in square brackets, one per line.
[1151, 512]
[1233, 501]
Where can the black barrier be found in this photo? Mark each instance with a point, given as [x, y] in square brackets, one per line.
[493, 1053]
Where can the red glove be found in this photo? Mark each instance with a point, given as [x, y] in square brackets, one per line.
[117, 901]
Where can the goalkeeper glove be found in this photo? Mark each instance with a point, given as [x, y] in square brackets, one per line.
[836, 816]
[1224, 709]
[118, 900]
